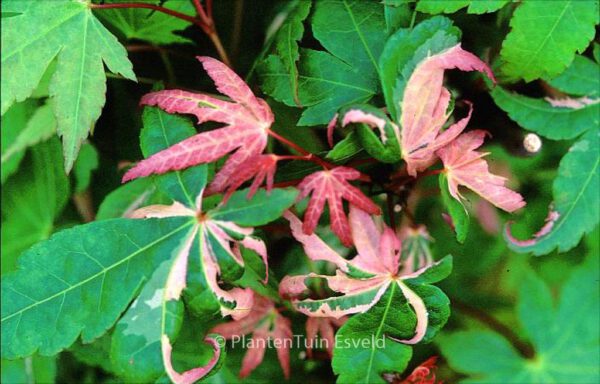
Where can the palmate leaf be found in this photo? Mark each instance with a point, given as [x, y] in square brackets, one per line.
[14, 121]
[464, 166]
[85, 165]
[346, 74]
[545, 36]
[67, 285]
[32, 200]
[66, 30]
[565, 336]
[125, 199]
[247, 121]
[382, 264]
[332, 186]
[363, 351]
[264, 322]
[451, 6]
[575, 209]
[541, 117]
[147, 24]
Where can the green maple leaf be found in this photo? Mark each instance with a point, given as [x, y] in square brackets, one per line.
[565, 336]
[147, 24]
[545, 36]
[39, 32]
[353, 32]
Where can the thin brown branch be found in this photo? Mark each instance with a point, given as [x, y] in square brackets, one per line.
[157, 8]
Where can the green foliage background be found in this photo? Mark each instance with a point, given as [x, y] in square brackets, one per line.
[65, 70]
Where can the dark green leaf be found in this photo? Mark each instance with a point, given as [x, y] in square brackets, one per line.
[80, 280]
[458, 213]
[86, 163]
[581, 78]
[261, 209]
[32, 200]
[576, 199]
[541, 117]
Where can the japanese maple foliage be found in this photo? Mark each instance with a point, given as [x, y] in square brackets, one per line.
[247, 120]
[285, 221]
[264, 322]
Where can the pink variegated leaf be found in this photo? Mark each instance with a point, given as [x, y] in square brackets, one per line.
[325, 328]
[571, 103]
[259, 167]
[264, 321]
[551, 219]
[465, 166]
[425, 103]
[193, 375]
[247, 122]
[359, 283]
[332, 186]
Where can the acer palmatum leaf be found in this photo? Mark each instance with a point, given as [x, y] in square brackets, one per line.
[193, 375]
[332, 186]
[259, 167]
[264, 321]
[425, 104]
[324, 327]
[465, 166]
[379, 258]
[247, 120]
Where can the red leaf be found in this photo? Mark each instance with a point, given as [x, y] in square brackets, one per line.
[332, 186]
[465, 166]
[259, 167]
[246, 131]
[424, 373]
[325, 327]
[425, 103]
[264, 322]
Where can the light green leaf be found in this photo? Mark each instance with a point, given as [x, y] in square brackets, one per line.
[86, 163]
[41, 125]
[345, 148]
[66, 30]
[13, 123]
[261, 209]
[127, 198]
[69, 285]
[581, 78]
[397, 15]
[32, 200]
[458, 213]
[31, 370]
[565, 337]
[147, 24]
[539, 116]
[162, 130]
[576, 199]
[545, 35]
[478, 7]
[135, 349]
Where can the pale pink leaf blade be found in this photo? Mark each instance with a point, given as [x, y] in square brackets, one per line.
[465, 166]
